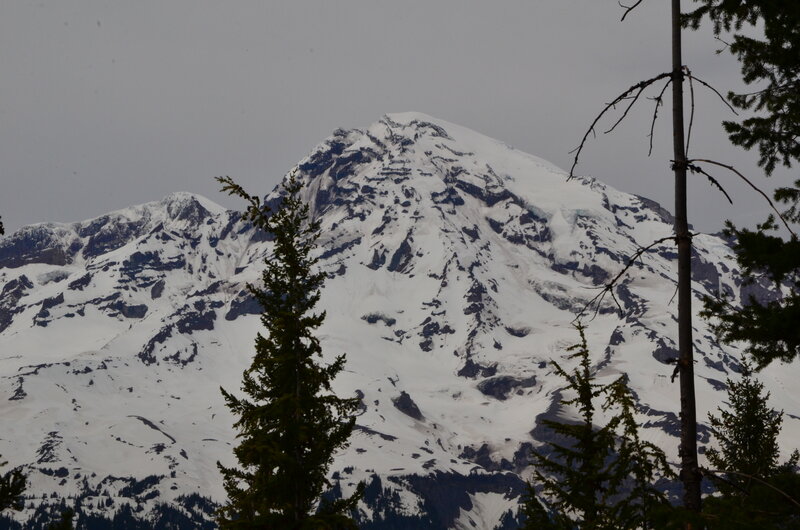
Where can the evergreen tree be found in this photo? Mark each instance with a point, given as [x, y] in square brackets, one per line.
[600, 477]
[12, 486]
[65, 523]
[752, 483]
[772, 63]
[291, 423]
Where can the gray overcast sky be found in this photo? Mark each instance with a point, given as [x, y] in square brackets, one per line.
[106, 104]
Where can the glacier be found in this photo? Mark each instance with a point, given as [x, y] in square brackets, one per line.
[456, 266]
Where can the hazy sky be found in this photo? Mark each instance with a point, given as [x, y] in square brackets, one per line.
[105, 104]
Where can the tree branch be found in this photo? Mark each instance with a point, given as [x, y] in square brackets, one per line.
[659, 101]
[638, 88]
[697, 169]
[691, 114]
[690, 76]
[751, 477]
[609, 287]
[733, 169]
[628, 9]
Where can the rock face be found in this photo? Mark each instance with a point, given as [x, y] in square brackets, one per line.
[455, 267]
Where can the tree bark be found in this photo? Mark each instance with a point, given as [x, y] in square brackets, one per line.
[690, 471]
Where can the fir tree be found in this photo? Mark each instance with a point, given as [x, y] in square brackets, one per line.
[65, 522]
[765, 38]
[291, 423]
[601, 477]
[770, 62]
[12, 486]
[753, 484]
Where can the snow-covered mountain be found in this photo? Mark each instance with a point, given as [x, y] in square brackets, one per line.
[456, 265]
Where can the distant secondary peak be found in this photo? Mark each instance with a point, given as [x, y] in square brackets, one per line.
[185, 206]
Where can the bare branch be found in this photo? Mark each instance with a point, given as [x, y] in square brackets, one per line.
[726, 45]
[691, 114]
[733, 169]
[659, 101]
[690, 76]
[609, 287]
[640, 86]
[627, 109]
[697, 169]
[628, 9]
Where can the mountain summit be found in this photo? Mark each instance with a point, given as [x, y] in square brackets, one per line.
[456, 265]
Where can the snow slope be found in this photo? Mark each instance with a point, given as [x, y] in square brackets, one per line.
[456, 265]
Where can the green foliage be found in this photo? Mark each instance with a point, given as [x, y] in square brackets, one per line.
[602, 477]
[756, 491]
[768, 327]
[765, 38]
[12, 486]
[291, 423]
[746, 435]
[771, 63]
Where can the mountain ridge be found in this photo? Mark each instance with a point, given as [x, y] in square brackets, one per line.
[455, 265]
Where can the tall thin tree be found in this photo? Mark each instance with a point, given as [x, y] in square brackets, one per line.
[690, 470]
[291, 423]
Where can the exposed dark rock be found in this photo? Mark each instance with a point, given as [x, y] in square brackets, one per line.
[483, 458]
[406, 405]
[483, 194]
[373, 318]
[37, 244]
[187, 208]
[431, 328]
[150, 260]
[19, 391]
[80, 283]
[471, 369]
[372, 432]
[157, 290]
[704, 273]
[244, 304]
[15, 288]
[401, 257]
[475, 298]
[378, 259]
[499, 387]
[665, 353]
[9, 298]
[147, 355]
[199, 319]
[633, 304]
[522, 456]
[323, 159]
[518, 332]
[128, 311]
[617, 337]
[663, 214]
[152, 426]
[109, 235]
[49, 303]
[448, 196]
[338, 249]
[472, 233]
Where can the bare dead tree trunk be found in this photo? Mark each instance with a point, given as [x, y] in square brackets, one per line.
[690, 471]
